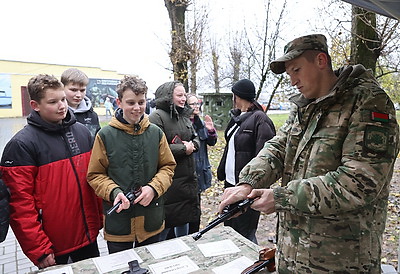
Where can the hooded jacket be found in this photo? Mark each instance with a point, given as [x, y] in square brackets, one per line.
[85, 115]
[335, 155]
[255, 128]
[181, 200]
[126, 157]
[53, 209]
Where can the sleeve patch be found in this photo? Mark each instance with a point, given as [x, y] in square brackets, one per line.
[376, 139]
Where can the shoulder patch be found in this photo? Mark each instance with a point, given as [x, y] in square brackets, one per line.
[381, 117]
[376, 139]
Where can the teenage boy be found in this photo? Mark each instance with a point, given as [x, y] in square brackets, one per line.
[55, 214]
[75, 83]
[131, 154]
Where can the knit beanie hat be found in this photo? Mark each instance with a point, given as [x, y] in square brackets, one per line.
[244, 89]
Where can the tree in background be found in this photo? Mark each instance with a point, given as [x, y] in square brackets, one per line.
[269, 37]
[375, 42]
[179, 53]
[215, 67]
[196, 39]
[235, 58]
[365, 43]
[361, 37]
[251, 58]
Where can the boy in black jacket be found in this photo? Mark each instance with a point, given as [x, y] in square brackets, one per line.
[75, 82]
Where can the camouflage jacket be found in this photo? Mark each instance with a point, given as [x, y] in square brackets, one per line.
[335, 156]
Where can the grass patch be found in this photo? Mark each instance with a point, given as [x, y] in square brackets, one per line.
[278, 119]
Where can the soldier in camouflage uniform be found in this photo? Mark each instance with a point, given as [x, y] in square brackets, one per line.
[335, 155]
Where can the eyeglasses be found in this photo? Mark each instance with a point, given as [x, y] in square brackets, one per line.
[194, 104]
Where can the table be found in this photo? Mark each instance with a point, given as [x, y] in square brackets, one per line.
[205, 264]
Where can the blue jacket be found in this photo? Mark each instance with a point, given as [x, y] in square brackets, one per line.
[203, 166]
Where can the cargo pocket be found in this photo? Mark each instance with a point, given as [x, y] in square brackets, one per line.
[119, 223]
[335, 244]
[334, 254]
[154, 215]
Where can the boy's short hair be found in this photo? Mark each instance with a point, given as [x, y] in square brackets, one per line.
[37, 86]
[74, 76]
[134, 83]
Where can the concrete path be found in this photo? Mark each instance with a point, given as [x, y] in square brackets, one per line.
[13, 260]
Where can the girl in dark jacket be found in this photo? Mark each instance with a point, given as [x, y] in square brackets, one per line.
[172, 116]
[245, 136]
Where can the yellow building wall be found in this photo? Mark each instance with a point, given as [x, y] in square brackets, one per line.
[21, 72]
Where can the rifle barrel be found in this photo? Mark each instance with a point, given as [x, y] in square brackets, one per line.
[111, 210]
[130, 196]
[227, 213]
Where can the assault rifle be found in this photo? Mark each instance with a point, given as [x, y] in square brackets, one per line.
[131, 196]
[228, 212]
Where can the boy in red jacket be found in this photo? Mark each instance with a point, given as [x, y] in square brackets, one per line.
[55, 214]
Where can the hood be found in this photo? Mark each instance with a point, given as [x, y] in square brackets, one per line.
[34, 119]
[350, 76]
[163, 100]
[119, 122]
[84, 106]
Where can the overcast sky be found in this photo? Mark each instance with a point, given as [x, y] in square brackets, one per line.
[128, 36]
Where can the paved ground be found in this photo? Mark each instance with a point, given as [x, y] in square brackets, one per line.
[12, 259]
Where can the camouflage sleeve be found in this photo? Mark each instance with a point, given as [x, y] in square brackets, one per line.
[367, 159]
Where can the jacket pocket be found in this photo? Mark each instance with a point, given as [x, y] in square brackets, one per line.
[119, 223]
[154, 215]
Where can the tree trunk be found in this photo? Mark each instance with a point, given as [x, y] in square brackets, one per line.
[193, 77]
[236, 55]
[215, 64]
[179, 54]
[365, 44]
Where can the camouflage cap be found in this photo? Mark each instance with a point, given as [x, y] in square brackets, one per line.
[296, 47]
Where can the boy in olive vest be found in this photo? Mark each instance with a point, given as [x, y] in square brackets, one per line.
[131, 154]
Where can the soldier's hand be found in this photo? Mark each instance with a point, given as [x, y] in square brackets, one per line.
[146, 196]
[234, 194]
[265, 201]
[125, 202]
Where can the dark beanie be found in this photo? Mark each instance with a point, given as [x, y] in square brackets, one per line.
[244, 89]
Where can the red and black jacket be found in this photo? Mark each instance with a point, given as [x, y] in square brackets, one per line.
[53, 209]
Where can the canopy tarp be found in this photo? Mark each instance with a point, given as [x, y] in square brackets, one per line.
[389, 8]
